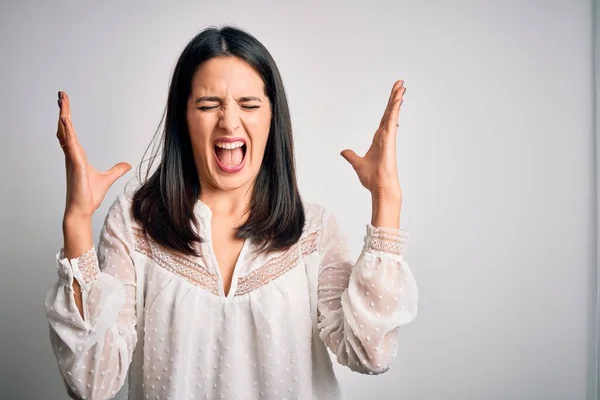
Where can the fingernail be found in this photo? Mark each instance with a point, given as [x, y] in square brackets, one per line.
[59, 94]
[59, 103]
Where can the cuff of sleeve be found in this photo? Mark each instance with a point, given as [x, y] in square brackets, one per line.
[387, 240]
[83, 268]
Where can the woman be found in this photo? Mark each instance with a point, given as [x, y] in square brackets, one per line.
[214, 279]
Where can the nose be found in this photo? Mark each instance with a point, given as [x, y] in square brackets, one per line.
[230, 119]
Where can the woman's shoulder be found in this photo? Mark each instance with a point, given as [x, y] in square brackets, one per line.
[314, 214]
[121, 209]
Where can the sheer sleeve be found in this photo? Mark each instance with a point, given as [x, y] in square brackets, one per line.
[362, 305]
[94, 352]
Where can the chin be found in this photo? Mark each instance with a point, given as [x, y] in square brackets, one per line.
[229, 183]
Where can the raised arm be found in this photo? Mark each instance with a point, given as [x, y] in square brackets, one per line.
[91, 307]
[361, 305]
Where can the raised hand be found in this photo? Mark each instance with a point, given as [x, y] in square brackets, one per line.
[377, 169]
[86, 187]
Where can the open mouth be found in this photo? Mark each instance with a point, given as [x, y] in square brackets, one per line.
[230, 154]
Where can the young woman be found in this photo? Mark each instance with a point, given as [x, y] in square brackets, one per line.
[214, 279]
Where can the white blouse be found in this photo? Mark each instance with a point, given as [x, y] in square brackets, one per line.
[164, 319]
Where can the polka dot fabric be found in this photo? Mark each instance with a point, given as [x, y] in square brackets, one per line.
[164, 320]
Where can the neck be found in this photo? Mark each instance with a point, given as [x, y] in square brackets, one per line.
[230, 204]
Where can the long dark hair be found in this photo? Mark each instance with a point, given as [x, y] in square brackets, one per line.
[164, 203]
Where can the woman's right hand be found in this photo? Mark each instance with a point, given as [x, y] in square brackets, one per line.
[86, 186]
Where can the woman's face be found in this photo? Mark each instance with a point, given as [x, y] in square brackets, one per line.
[228, 117]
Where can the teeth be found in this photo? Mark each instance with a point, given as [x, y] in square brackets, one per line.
[229, 145]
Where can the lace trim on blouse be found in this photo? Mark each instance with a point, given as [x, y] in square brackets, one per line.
[277, 266]
[195, 274]
[388, 240]
[87, 263]
[178, 265]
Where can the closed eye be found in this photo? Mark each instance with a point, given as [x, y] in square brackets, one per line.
[208, 108]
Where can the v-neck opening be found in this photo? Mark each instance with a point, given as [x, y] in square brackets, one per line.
[234, 275]
[206, 221]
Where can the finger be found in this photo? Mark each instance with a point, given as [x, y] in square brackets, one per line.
[351, 157]
[60, 133]
[389, 134]
[65, 109]
[394, 112]
[387, 106]
[117, 171]
[397, 86]
[384, 116]
[70, 135]
[65, 116]
[60, 129]
[398, 93]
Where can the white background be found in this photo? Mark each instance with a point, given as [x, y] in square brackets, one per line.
[495, 153]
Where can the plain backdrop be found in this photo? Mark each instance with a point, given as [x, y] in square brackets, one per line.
[495, 155]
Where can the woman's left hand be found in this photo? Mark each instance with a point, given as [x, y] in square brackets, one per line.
[377, 169]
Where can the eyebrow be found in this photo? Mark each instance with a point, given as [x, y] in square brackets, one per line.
[220, 100]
